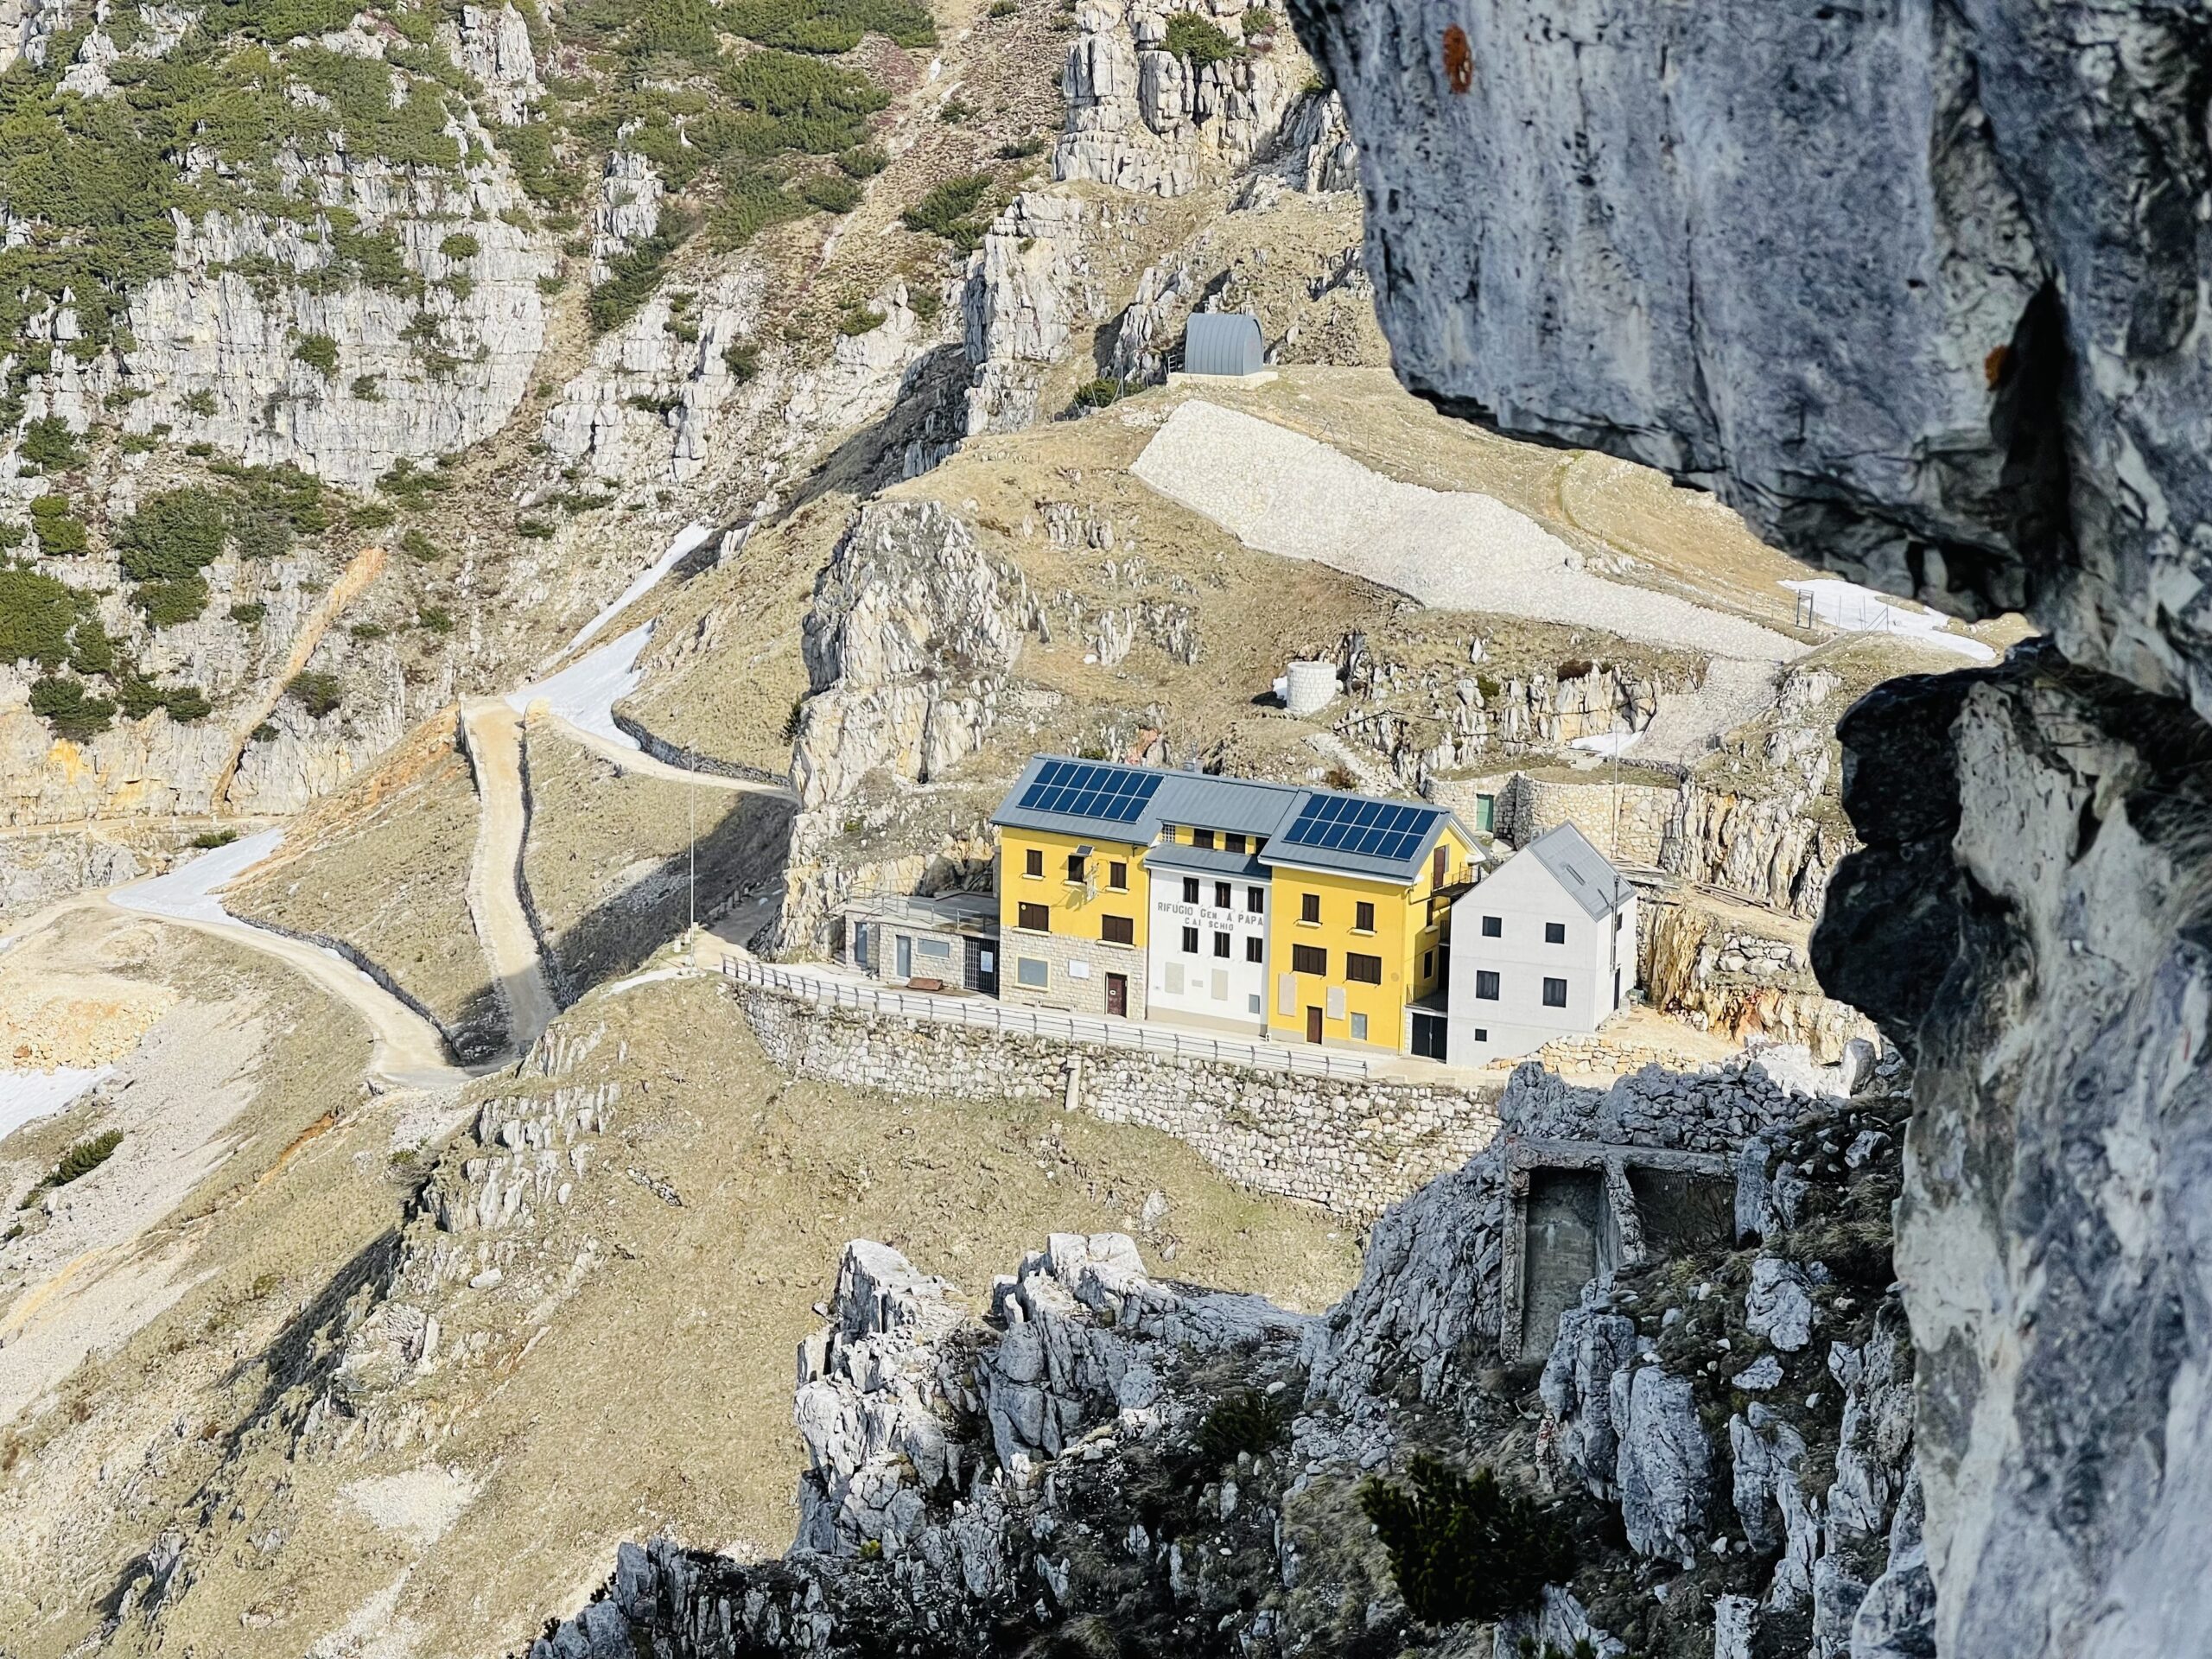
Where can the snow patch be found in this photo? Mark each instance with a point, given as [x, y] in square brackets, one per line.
[187, 892]
[584, 693]
[691, 536]
[1853, 610]
[25, 1096]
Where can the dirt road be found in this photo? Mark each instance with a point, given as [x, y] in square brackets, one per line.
[493, 732]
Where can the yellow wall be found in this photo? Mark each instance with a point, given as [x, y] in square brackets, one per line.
[1073, 916]
[1404, 932]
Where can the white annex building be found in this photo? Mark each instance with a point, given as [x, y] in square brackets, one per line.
[1543, 947]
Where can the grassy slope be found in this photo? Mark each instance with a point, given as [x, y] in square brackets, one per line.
[383, 866]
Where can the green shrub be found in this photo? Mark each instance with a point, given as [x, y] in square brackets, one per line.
[411, 487]
[260, 535]
[683, 28]
[169, 603]
[925, 300]
[433, 618]
[1198, 41]
[293, 495]
[538, 166]
[1003, 9]
[318, 694]
[860, 320]
[789, 102]
[533, 529]
[186, 703]
[743, 359]
[863, 161]
[174, 533]
[751, 202]
[1247, 1421]
[371, 515]
[366, 631]
[635, 274]
[137, 698]
[77, 1162]
[828, 26]
[418, 547]
[831, 193]
[460, 245]
[1022, 150]
[207, 839]
[264, 733]
[955, 111]
[50, 445]
[37, 617]
[201, 403]
[67, 711]
[319, 353]
[951, 210]
[1465, 1548]
[1097, 394]
[91, 651]
[60, 535]
[249, 613]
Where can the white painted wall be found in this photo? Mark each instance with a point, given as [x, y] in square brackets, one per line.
[1178, 982]
[1523, 895]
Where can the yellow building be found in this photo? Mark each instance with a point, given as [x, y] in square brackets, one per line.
[1262, 910]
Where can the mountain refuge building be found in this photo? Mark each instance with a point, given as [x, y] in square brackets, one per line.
[1544, 947]
[1263, 910]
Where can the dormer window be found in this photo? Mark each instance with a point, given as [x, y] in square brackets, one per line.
[1201, 838]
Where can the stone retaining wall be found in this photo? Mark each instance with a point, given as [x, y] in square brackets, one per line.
[1355, 1147]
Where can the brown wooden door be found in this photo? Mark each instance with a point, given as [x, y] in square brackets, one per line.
[1117, 994]
[1312, 1024]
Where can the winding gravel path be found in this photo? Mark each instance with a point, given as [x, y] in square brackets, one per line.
[493, 734]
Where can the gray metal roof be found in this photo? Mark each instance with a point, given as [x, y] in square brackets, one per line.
[1224, 342]
[1243, 804]
[1588, 878]
[1206, 861]
[1114, 802]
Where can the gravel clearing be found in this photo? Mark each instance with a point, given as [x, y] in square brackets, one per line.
[1282, 492]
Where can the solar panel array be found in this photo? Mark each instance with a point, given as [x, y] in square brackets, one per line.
[1378, 830]
[1104, 794]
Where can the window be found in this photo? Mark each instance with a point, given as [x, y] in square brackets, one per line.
[1032, 862]
[1075, 866]
[1190, 941]
[1037, 919]
[1493, 927]
[1201, 838]
[1190, 889]
[1362, 969]
[1618, 916]
[1118, 930]
[1222, 899]
[939, 948]
[1028, 970]
[1117, 876]
[1555, 992]
[1221, 944]
[1255, 949]
[1485, 987]
[1554, 933]
[1252, 1003]
[1234, 843]
[1363, 917]
[1359, 1027]
[1428, 964]
[1309, 959]
[1482, 1033]
[1256, 900]
[1309, 906]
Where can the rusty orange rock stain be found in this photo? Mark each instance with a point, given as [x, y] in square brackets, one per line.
[1459, 60]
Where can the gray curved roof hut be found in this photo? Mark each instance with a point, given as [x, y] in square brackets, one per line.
[1224, 342]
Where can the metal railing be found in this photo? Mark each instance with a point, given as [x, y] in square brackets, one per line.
[990, 1014]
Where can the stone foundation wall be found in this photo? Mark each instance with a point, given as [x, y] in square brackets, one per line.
[1355, 1147]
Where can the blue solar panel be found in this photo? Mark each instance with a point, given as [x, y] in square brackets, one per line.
[1104, 794]
[1382, 831]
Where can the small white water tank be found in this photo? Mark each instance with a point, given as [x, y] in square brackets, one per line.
[1308, 688]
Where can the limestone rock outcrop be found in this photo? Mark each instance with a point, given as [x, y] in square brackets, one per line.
[1938, 337]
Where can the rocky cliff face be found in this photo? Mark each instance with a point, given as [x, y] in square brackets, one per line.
[1110, 1463]
[1963, 369]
